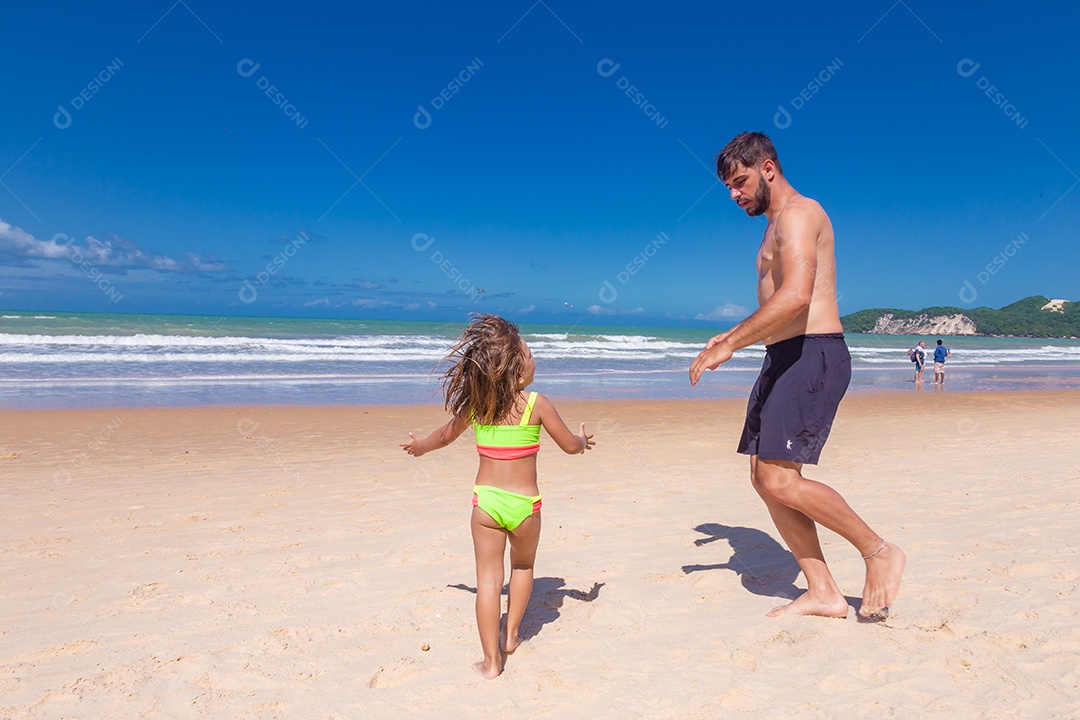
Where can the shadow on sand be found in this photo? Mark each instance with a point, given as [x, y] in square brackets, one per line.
[762, 564]
[545, 602]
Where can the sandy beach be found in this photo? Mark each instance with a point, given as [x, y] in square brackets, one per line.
[292, 562]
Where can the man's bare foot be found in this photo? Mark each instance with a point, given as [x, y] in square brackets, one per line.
[883, 573]
[509, 645]
[490, 673]
[806, 605]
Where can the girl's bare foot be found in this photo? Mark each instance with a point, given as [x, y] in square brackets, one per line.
[490, 672]
[509, 645]
[805, 604]
[883, 572]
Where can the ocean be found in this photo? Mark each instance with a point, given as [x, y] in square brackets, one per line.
[74, 360]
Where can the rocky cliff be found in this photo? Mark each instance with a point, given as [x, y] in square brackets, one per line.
[1035, 316]
[958, 324]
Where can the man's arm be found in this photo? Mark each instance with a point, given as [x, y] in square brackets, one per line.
[796, 234]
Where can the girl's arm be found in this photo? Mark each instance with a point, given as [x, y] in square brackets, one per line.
[563, 436]
[440, 438]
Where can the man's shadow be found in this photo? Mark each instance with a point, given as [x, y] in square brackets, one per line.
[763, 566]
[545, 602]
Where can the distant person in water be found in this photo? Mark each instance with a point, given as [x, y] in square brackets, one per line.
[941, 354]
[918, 356]
[806, 372]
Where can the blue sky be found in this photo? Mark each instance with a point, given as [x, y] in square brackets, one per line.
[339, 160]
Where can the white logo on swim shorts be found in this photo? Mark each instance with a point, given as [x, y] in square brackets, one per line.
[788, 444]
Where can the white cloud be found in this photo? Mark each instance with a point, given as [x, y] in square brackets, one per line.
[16, 243]
[207, 264]
[19, 248]
[724, 312]
[370, 303]
[601, 310]
[528, 309]
[321, 302]
[361, 284]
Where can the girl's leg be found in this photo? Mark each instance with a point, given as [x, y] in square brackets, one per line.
[489, 544]
[523, 542]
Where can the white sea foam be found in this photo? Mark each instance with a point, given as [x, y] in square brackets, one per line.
[18, 348]
[390, 365]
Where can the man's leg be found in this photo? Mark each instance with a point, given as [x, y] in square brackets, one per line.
[822, 597]
[795, 504]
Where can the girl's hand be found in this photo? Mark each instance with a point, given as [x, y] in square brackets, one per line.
[589, 442]
[411, 446]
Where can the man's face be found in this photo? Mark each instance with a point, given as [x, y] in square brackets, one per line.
[749, 190]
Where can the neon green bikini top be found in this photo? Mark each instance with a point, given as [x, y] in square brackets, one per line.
[509, 442]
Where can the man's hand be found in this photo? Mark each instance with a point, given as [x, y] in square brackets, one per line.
[715, 339]
[715, 354]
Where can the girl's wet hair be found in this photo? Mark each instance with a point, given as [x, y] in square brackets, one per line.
[486, 366]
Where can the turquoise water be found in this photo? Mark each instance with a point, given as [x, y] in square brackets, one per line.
[120, 360]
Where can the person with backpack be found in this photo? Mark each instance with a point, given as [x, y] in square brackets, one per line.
[917, 355]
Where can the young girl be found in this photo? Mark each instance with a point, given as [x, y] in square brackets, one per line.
[484, 387]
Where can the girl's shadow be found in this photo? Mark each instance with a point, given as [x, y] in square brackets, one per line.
[545, 602]
[764, 567]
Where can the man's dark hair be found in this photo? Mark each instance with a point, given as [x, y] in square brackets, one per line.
[748, 149]
[938, 342]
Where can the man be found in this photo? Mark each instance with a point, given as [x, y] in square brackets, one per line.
[806, 371]
[918, 356]
[941, 353]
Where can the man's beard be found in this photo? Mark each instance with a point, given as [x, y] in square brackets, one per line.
[762, 197]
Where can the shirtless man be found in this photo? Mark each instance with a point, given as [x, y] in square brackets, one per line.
[806, 372]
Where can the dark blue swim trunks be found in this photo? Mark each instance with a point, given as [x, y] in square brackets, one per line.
[794, 400]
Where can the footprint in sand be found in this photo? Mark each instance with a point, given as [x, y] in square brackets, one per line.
[395, 673]
[739, 699]
[144, 592]
[199, 517]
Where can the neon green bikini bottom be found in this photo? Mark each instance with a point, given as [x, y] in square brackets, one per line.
[506, 508]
